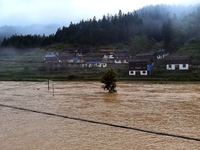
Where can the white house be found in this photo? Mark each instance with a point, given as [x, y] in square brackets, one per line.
[178, 63]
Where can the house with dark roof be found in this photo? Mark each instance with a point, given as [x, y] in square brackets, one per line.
[66, 57]
[121, 56]
[140, 67]
[93, 62]
[148, 55]
[51, 57]
[109, 54]
[84, 51]
[161, 54]
[178, 62]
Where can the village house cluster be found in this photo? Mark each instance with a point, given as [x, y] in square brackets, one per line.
[141, 64]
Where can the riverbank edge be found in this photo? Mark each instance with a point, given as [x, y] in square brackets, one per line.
[44, 79]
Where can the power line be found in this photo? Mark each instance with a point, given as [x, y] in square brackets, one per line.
[104, 123]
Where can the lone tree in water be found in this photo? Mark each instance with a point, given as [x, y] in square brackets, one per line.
[109, 79]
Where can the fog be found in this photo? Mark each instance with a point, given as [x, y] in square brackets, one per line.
[34, 29]
[31, 29]
[10, 52]
[45, 17]
[23, 12]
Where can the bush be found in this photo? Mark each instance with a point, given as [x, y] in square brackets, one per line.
[109, 79]
[72, 77]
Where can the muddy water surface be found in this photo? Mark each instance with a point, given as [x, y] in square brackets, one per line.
[168, 108]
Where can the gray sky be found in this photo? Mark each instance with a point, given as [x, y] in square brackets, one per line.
[27, 12]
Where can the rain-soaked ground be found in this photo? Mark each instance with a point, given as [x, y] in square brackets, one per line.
[80, 115]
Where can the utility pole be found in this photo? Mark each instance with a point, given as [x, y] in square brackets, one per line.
[53, 89]
[48, 84]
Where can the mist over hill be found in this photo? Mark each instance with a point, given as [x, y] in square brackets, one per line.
[151, 27]
[34, 29]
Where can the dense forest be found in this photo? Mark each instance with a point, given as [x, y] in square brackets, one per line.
[149, 28]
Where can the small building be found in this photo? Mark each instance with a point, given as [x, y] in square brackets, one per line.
[84, 51]
[121, 56]
[94, 62]
[51, 57]
[65, 57]
[108, 53]
[140, 67]
[161, 54]
[178, 62]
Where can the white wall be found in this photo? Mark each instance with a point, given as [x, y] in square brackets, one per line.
[95, 65]
[142, 73]
[159, 57]
[104, 64]
[132, 73]
[170, 68]
[118, 61]
[181, 66]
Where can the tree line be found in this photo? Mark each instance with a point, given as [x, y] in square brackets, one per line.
[152, 27]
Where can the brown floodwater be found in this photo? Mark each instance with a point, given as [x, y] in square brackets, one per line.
[81, 115]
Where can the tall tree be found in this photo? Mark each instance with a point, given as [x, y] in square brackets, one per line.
[168, 35]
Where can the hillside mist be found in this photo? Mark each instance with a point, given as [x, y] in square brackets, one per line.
[35, 29]
[149, 28]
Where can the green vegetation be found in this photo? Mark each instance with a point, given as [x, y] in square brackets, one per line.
[30, 66]
[191, 47]
[109, 79]
[57, 46]
[148, 29]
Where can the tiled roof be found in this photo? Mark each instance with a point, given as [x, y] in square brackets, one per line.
[178, 59]
[139, 60]
[93, 59]
[145, 54]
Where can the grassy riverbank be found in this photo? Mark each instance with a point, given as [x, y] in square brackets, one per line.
[30, 66]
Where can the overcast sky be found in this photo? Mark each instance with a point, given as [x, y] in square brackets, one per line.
[27, 12]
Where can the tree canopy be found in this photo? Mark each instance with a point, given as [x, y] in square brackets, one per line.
[109, 79]
[150, 26]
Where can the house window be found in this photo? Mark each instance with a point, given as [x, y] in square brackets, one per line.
[170, 66]
[131, 72]
[184, 65]
[177, 67]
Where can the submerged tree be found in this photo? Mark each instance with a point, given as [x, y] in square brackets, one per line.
[109, 79]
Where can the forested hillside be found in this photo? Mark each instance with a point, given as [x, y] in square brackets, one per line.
[150, 28]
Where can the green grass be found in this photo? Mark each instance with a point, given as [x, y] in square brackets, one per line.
[30, 66]
[33, 56]
[58, 46]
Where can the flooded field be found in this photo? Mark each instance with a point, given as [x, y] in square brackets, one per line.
[80, 115]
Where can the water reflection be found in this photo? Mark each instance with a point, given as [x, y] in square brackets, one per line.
[110, 97]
